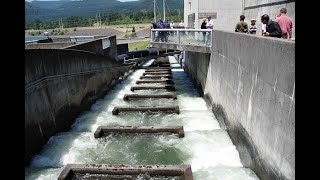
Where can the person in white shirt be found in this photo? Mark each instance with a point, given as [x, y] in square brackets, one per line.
[171, 25]
[210, 23]
[181, 24]
[263, 28]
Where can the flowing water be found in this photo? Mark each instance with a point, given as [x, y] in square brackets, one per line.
[205, 146]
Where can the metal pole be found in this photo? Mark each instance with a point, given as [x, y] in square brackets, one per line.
[154, 11]
[164, 10]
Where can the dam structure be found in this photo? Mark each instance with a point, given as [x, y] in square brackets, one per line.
[188, 108]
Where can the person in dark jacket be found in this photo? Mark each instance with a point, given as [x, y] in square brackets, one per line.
[272, 28]
[204, 26]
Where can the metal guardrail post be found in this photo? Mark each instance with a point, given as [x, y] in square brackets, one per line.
[211, 37]
[178, 36]
[151, 36]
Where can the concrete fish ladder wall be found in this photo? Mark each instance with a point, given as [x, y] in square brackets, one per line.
[59, 85]
[249, 82]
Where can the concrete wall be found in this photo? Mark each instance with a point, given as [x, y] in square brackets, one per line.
[122, 48]
[256, 8]
[59, 85]
[228, 12]
[54, 45]
[106, 46]
[249, 82]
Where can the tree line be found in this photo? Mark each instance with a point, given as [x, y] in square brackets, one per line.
[107, 18]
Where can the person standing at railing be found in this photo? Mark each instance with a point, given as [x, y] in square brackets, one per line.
[156, 34]
[241, 26]
[272, 28]
[171, 27]
[162, 34]
[209, 25]
[253, 27]
[285, 24]
[166, 33]
[203, 26]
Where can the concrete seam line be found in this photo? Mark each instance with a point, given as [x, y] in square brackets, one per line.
[269, 4]
[47, 78]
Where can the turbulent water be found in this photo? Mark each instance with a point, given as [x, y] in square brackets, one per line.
[205, 146]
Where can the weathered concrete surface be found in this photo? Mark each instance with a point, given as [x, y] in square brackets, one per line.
[59, 85]
[250, 83]
[122, 169]
[106, 46]
[54, 45]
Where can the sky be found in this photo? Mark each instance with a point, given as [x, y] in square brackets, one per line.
[58, 0]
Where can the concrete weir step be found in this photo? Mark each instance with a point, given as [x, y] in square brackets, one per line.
[102, 130]
[71, 170]
[117, 110]
[167, 87]
[164, 68]
[168, 81]
[157, 73]
[156, 76]
[157, 70]
[126, 97]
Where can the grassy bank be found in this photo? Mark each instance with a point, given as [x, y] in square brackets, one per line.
[135, 46]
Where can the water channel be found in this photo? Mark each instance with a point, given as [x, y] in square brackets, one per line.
[206, 146]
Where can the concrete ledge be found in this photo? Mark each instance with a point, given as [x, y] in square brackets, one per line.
[101, 130]
[157, 73]
[121, 169]
[126, 97]
[156, 76]
[168, 81]
[117, 110]
[157, 70]
[164, 68]
[168, 87]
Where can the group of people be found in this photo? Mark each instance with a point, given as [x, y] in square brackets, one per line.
[206, 25]
[280, 27]
[163, 35]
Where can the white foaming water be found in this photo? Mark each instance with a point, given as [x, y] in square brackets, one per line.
[205, 146]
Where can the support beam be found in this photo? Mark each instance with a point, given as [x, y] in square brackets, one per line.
[102, 130]
[168, 81]
[157, 70]
[126, 97]
[168, 88]
[117, 110]
[156, 76]
[158, 73]
[160, 68]
[120, 169]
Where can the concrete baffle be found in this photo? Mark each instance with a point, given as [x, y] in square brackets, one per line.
[156, 77]
[117, 110]
[120, 169]
[102, 130]
[126, 97]
[168, 88]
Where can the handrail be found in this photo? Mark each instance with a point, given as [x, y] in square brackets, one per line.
[185, 30]
[183, 37]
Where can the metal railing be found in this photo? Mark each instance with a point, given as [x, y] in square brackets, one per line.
[181, 37]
